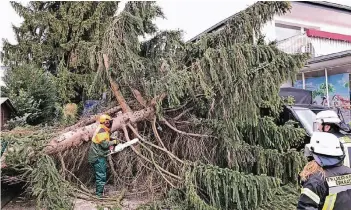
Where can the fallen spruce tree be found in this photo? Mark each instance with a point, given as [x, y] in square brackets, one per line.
[197, 109]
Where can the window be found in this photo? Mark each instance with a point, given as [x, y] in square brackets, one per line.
[283, 31]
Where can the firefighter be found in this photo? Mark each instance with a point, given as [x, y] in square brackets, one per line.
[99, 149]
[326, 182]
[328, 121]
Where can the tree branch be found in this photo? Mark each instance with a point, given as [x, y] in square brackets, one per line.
[212, 108]
[159, 97]
[183, 122]
[91, 119]
[117, 92]
[183, 113]
[75, 138]
[63, 166]
[139, 97]
[153, 125]
[182, 132]
[145, 158]
[115, 175]
[115, 88]
[178, 108]
[153, 145]
[184, 105]
[126, 135]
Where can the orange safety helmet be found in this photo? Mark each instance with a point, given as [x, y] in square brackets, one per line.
[104, 118]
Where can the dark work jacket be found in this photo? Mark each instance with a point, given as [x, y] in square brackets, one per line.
[315, 190]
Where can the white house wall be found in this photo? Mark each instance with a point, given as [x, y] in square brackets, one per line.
[269, 28]
[311, 16]
[314, 17]
[317, 25]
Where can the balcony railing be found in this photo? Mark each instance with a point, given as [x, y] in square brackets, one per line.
[313, 45]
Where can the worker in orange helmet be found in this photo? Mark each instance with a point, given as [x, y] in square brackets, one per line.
[99, 149]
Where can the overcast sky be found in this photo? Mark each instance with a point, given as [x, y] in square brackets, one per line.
[192, 16]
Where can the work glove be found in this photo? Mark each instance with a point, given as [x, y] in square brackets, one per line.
[115, 142]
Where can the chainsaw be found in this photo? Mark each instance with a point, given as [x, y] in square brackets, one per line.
[121, 147]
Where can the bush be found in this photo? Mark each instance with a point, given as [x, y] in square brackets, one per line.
[70, 113]
[32, 92]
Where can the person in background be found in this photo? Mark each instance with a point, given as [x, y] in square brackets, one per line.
[99, 149]
[325, 181]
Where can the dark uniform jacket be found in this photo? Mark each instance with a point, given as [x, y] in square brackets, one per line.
[329, 192]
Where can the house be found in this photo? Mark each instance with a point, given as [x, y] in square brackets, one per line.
[6, 110]
[322, 29]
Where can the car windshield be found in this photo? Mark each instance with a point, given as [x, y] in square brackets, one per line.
[307, 118]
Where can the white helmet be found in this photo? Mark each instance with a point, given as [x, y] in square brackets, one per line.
[328, 116]
[325, 144]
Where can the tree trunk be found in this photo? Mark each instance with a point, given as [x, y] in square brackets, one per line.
[91, 119]
[76, 137]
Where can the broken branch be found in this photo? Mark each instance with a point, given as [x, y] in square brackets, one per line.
[156, 133]
[153, 145]
[211, 108]
[115, 87]
[159, 97]
[184, 105]
[182, 132]
[139, 97]
[115, 175]
[183, 113]
[145, 158]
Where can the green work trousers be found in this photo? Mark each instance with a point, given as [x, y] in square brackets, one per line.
[100, 168]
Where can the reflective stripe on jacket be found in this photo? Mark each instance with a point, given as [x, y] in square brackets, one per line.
[329, 192]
